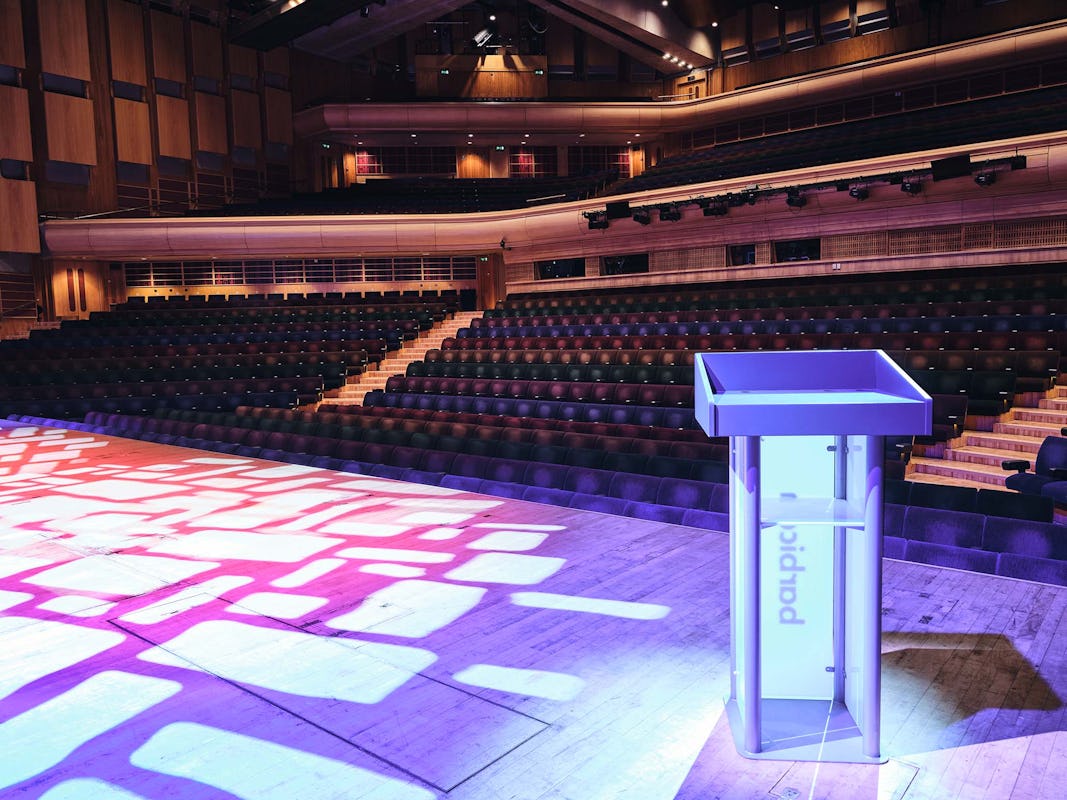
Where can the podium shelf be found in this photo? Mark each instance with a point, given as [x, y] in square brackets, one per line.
[788, 510]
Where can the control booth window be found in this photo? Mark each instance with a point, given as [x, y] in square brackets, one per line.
[624, 265]
[559, 268]
[797, 250]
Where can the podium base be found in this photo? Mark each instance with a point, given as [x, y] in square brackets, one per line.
[803, 730]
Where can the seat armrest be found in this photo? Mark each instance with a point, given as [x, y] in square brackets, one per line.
[1018, 466]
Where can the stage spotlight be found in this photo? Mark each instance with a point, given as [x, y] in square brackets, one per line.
[985, 178]
[482, 37]
[669, 214]
[911, 186]
[859, 192]
[597, 222]
[794, 199]
[364, 12]
[642, 217]
[715, 208]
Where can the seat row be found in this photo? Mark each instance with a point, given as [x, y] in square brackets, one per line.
[991, 284]
[222, 316]
[640, 394]
[709, 310]
[383, 330]
[369, 350]
[76, 409]
[657, 358]
[958, 340]
[988, 393]
[645, 416]
[1015, 548]
[307, 388]
[351, 339]
[619, 373]
[279, 300]
[987, 500]
[689, 460]
[877, 325]
[332, 376]
[387, 417]
[1035, 370]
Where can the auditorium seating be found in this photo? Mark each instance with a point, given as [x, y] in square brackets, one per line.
[1001, 117]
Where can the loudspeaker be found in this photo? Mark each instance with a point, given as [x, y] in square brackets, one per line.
[619, 209]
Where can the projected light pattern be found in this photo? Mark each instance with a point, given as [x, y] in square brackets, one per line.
[208, 626]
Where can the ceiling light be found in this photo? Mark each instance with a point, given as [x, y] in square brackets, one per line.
[414, 135]
[666, 56]
[492, 17]
[715, 24]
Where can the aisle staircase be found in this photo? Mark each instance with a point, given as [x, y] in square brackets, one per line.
[975, 458]
[396, 362]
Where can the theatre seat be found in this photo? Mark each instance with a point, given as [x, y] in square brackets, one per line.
[1049, 466]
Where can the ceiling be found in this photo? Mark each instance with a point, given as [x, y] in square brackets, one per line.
[345, 30]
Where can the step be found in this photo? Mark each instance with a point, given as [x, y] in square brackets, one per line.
[984, 456]
[1054, 403]
[1042, 416]
[1021, 446]
[1032, 429]
[920, 477]
[978, 473]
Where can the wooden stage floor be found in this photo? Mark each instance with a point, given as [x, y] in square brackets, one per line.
[183, 625]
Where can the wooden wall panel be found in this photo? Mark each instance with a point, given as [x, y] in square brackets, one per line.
[12, 50]
[70, 128]
[133, 133]
[833, 11]
[168, 47]
[18, 210]
[559, 44]
[870, 6]
[207, 51]
[600, 54]
[733, 32]
[277, 61]
[243, 61]
[764, 22]
[64, 38]
[279, 115]
[173, 117]
[211, 123]
[15, 138]
[798, 20]
[247, 131]
[126, 38]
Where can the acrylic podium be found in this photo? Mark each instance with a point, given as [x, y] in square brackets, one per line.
[806, 435]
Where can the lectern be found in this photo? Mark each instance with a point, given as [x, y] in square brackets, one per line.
[806, 435]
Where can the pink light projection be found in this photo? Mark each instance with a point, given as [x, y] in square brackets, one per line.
[182, 625]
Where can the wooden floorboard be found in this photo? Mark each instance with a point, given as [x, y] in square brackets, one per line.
[177, 624]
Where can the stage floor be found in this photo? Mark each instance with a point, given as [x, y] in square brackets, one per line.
[183, 625]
